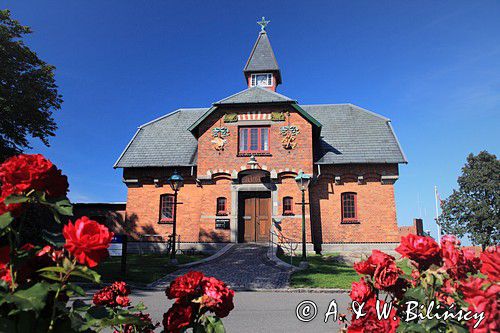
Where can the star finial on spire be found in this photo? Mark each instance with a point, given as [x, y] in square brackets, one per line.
[263, 23]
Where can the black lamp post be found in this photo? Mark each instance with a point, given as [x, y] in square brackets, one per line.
[176, 182]
[303, 180]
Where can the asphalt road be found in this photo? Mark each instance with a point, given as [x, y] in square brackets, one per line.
[262, 311]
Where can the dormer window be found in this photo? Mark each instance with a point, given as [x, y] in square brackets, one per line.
[262, 80]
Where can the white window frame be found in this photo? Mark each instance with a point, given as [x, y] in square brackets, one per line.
[270, 78]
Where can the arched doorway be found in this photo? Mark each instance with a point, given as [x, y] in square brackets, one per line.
[254, 206]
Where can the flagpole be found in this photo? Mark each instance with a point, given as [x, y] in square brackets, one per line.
[437, 214]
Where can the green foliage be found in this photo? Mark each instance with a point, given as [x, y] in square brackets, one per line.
[474, 209]
[29, 93]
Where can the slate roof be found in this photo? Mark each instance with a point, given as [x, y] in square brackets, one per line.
[162, 142]
[254, 95]
[349, 134]
[262, 57]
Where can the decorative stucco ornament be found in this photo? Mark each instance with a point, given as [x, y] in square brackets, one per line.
[278, 116]
[219, 134]
[230, 118]
[289, 134]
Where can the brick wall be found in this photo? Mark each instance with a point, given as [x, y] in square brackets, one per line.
[375, 205]
[228, 160]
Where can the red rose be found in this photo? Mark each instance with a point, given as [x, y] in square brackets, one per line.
[368, 266]
[121, 288]
[178, 317]
[386, 275]
[122, 301]
[364, 268]
[491, 262]
[457, 262]
[361, 291]
[371, 324]
[185, 285]
[25, 172]
[482, 297]
[4, 264]
[217, 296]
[423, 250]
[105, 296]
[87, 240]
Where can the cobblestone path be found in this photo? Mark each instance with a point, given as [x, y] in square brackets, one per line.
[243, 267]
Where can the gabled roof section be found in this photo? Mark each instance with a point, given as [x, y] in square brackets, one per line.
[251, 96]
[255, 95]
[163, 142]
[262, 57]
[351, 134]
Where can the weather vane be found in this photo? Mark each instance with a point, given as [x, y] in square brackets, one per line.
[263, 23]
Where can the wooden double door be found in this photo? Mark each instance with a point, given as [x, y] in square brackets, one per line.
[254, 220]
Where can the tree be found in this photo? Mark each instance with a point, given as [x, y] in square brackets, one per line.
[474, 209]
[28, 93]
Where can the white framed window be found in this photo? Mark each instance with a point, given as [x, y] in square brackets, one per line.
[262, 80]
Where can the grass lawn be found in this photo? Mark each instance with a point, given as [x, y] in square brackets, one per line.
[142, 269]
[323, 272]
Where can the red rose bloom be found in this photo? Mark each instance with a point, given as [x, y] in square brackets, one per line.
[423, 250]
[217, 296]
[178, 317]
[14, 208]
[185, 285]
[482, 297]
[368, 266]
[386, 276]
[361, 291]
[364, 268]
[105, 296]
[87, 240]
[121, 288]
[491, 262]
[122, 301]
[371, 324]
[4, 264]
[25, 172]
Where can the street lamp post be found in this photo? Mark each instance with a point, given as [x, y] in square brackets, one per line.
[303, 181]
[176, 182]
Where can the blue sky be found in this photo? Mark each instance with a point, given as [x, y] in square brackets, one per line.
[432, 67]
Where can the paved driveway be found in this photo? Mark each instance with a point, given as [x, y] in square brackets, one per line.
[243, 267]
[261, 311]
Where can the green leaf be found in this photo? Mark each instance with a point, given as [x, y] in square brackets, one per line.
[64, 207]
[86, 273]
[212, 324]
[32, 299]
[5, 220]
[417, 293]
[76, 288]
[55, 269]
[15, 198]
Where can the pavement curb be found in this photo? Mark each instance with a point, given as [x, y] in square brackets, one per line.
[271, 255]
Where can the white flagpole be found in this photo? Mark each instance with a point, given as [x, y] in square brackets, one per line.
[437, 214]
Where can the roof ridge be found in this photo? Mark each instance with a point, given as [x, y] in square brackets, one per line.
[352, 106]
[255, 88]
[170, 114]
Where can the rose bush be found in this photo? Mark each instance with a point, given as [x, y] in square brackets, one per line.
[442, 273]
[195, 297]
[35, 281]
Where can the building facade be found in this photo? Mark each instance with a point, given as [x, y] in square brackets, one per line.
[239, 159]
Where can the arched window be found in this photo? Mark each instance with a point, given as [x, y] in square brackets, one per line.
[166, 208]
[221, 206]
[349, 207]
[287, 206]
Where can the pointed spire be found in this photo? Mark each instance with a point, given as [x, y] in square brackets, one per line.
[262, 57]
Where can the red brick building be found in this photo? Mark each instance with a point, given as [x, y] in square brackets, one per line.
[240, 157]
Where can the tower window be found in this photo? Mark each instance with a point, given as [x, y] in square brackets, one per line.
[349, 207]
[221, 206]
[287, 206]
[262, 80]
[166, 208]
[254, 140]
